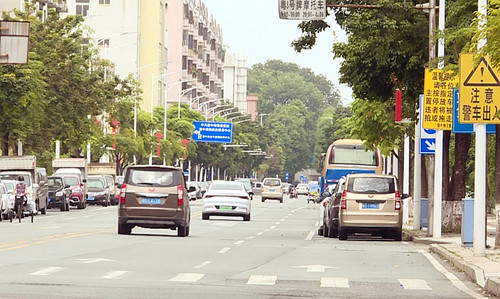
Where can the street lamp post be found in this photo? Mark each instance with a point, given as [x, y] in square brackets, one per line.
[181, 93]
[262, 115]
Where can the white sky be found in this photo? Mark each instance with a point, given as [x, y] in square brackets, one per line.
[253, 28]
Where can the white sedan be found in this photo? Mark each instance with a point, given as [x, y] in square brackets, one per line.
[225, 198]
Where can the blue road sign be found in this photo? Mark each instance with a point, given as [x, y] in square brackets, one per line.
[217, 132]
[465, 128]
[287, 176]
[427, 136]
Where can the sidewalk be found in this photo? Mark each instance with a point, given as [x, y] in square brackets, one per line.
[484, 271]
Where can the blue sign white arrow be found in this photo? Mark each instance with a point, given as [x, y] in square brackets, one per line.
[427, 136]
[218, 132]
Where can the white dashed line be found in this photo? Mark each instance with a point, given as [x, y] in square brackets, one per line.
[262, 280]
[282, 219]
[334, 282]
[258, 234]
[250, 238]
[273, 227]
[187, 277]
[414, 284]
[114, 274]
[203, 264]
[47, 271]
[309, 236]
[277, 222]
[225, 249]
[238, 242]
[317, 223]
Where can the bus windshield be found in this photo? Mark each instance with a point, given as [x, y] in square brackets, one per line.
[350, 154]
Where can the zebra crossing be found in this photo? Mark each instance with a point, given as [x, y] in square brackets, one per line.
[257, 280]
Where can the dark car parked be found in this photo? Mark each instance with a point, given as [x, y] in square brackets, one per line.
[331, 212]
[59, 193]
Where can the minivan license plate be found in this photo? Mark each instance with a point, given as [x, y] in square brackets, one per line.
[370, 205]
[151, 201]
[225, 208]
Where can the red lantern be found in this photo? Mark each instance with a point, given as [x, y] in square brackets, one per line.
[399, 102]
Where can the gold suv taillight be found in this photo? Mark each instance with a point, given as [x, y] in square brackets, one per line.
[123, 193]
[343, 202]
[398, 201]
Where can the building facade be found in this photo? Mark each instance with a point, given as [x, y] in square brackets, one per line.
[235, 81]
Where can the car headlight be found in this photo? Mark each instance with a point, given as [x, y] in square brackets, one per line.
[60, 193]
[100, 193]
[76, 190]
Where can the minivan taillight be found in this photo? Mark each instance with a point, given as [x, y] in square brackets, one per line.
[123, 192]
[398, 201]
[180, 195]
[343, 203]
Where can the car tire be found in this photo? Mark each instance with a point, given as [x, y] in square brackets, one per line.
[263, 199]
[320, 231]
[79, 206]
[124, 229]
[281, 200]
[182, 231]
[397, 235]
[63, 206]
[246, 217]
[325, 230]
[332, 233]
[342, 235]
[205, 216]
[44, 210]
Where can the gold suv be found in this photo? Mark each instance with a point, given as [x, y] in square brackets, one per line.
[271, 189]
[154, 197]
[371, 203]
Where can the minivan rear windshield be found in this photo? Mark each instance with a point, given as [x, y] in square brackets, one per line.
[371, 185]
[272, 183]
[149, 177]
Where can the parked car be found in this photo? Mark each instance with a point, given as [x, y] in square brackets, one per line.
[248, 186]
[77, 198]
[113, 193]
[330, 208]
[7, 197]
[271, 189]
[98, 191]
[196, 194]
[286, 188]
[59, 193]
[154, 197]
[225, 198]
[371, 203]
[302, 189]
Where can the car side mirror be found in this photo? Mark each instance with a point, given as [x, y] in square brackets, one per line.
[67, 186]
[191, 189]
[250, 192]
[326, 194]
[405, 196]
[338, 195]
[118, 186]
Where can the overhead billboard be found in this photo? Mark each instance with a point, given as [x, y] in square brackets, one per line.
[215, 132]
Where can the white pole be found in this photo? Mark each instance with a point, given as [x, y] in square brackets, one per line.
[417, 175]
[189, 170]
[406, 180]
[19, 147]
[179, 102]
[438, 163]
[58, 149]
[152, 99]
[480, 167]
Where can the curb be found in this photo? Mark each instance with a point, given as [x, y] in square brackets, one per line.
[492, 285]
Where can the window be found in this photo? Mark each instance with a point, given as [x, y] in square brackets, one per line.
[106, 2]
[104, 42]
[371, 185]
[184, 62]
[82, 7]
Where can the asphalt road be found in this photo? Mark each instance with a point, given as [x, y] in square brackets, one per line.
[78, 254]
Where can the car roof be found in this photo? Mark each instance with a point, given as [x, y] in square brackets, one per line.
[370, 175]
[153, 167]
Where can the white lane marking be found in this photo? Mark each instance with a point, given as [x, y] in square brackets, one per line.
[114, 274]
[262, 280]
[89, 216]
[317, 223]
[414, 284]
[53, 227]
[258, 234]
[70, 218]
[187, 277]
[451, 277]
[277, 222]
[286, 217]
[404, 242]
[267, 230]
[203, 264]
[225, 249]
[282, 219]
[250, 238]
[289, 215]
[93, 260]
[309, 236]
[47, 271]
[106, 213]
[334, 282]
[273, 227]
[238, 242]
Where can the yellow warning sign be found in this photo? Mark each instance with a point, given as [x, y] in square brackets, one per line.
[438, 99]
[479, 100]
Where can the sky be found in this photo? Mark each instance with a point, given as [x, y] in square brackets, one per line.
[253, 28]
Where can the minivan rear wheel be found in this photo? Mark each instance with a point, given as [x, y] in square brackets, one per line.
[124, 229]
[342, 235]
[183, 231]
[397, 235]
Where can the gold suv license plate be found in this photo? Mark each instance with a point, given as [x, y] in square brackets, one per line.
[370, 205]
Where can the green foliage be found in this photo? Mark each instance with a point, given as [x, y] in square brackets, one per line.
[490, 34]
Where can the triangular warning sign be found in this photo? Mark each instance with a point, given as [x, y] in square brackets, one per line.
[482, 75]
